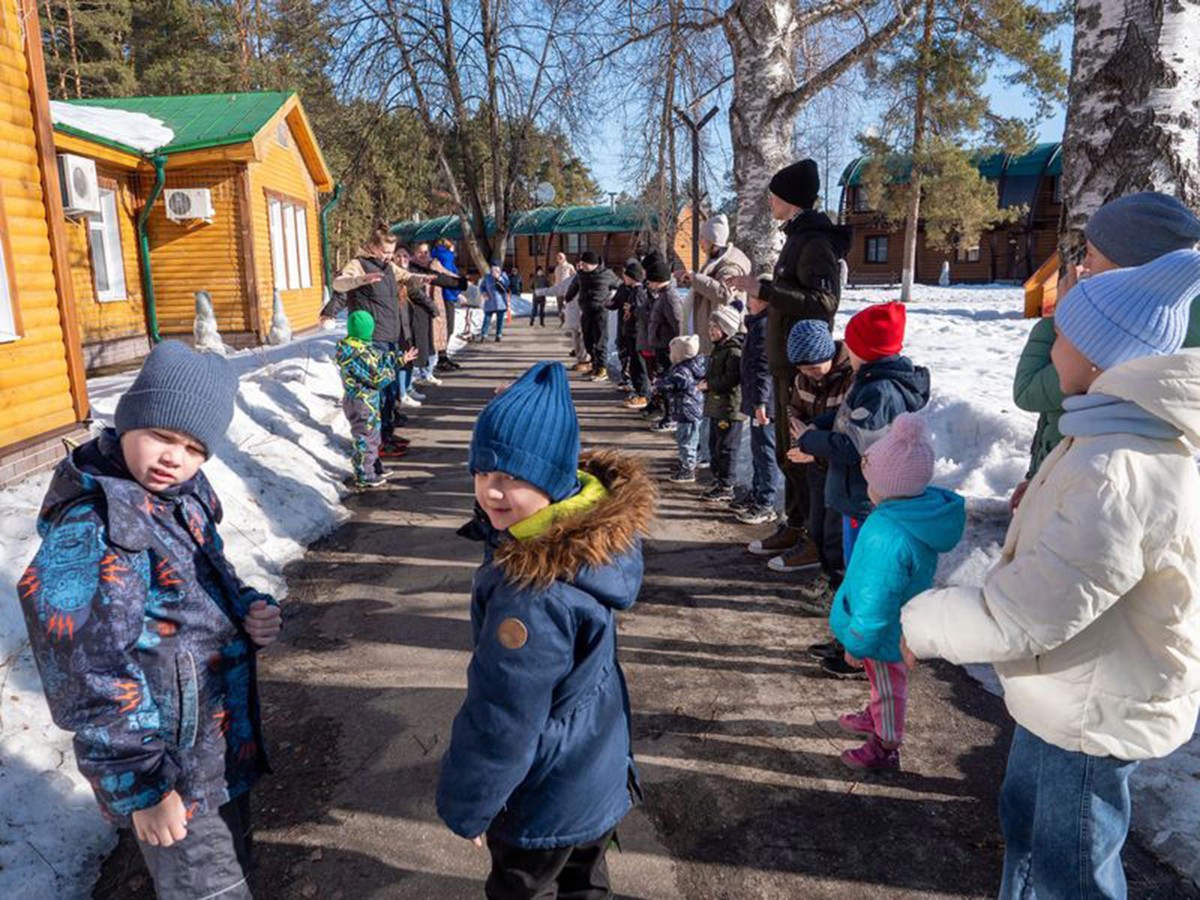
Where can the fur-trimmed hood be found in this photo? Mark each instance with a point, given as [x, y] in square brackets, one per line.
[588, 550]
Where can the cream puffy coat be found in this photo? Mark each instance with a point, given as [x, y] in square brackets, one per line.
[1092, 614]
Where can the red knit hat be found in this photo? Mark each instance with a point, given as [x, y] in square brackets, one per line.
[877, 331]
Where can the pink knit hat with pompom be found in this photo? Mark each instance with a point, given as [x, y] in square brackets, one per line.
[900, 464]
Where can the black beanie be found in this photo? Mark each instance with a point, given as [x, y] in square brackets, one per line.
[634, 270]
[657, 270]
[589, 257]
[798, 184]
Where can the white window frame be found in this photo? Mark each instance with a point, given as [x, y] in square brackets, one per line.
[275, 226]
[8, 314]
[104, 234]
[291, 257]
[574, 242]
[510, 245]
[302, 247]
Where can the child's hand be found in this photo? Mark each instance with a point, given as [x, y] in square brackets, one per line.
[746, 283]
[798, 456]
[263, 622]
[910, 658]
[410, 355]
[478, 841]
[852, 660]
[703, 386]
[760, 415]
[162, 825]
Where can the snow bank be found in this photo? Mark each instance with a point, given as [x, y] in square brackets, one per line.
[133, 129]
[279, 478]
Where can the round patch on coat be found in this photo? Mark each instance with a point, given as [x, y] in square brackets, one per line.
[512, 634]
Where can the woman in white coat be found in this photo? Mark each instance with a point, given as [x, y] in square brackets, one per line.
[1092, 614]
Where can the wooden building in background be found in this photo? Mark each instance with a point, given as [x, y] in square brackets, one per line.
[1010, 253]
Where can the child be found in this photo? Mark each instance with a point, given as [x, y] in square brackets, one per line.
[143, 634]
[494, 288]
[636, 315]
[365, 372]
[540, 757]
[680, 386]
[537, 312]
[897, 558]
[1091, 616]
[886, 384]
[758, 505]
[823, 379]
[663, 326]
[723, 401]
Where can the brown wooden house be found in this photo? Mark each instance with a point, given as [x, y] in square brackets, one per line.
[1012, 252]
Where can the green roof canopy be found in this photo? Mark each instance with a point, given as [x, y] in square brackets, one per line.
[543, 220]
[1043, 159]
[201, 121]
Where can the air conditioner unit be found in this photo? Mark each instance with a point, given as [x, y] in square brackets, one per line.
[189, 203]
[81, 191]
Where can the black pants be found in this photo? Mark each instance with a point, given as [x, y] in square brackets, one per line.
[565, 873]
[213, 860]
[626, 351]
[639, 373]
[538, 310]
[824, 522]
[389, 396]
[662, 365]
[450, 307]
[724, 441]
[594, 324]
[796, 501]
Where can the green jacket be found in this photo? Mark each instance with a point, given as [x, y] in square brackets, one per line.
[1036, 388]
[723, 401]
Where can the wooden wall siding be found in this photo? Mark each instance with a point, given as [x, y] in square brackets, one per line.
[283, 171]
[109, 320]
[35, 393]
[193, 255]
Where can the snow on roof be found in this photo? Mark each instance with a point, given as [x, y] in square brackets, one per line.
[138, 131]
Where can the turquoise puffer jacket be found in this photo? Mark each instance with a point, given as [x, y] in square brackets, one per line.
[894, 559]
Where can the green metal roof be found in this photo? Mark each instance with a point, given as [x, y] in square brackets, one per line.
[543, 220]
[201, 121]
[1043, 159]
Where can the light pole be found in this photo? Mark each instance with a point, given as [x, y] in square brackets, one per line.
[694, 127]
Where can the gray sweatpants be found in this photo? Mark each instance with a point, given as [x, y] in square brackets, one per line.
[211, 862]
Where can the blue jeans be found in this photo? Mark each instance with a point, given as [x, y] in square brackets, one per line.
[705, 455]
[687, 439]
[763, 490]
[426, 372]
[487, 318]
[1065, 816]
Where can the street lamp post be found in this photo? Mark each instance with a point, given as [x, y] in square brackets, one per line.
[694, 127]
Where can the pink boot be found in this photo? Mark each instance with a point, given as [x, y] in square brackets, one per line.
[858, 722]
[873, 757]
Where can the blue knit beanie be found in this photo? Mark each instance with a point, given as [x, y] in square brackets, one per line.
[810, 342]
[181, 389]
[1137, 228]
[530, 432]
[1126, 314]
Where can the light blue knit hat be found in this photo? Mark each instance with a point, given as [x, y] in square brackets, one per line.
[809, 342]
[531, 432]
[1126, 314]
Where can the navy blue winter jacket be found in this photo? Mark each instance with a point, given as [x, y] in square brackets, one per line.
[882, 390]
[757, 384]
[679, 384]
[540, 753]
[135, 620]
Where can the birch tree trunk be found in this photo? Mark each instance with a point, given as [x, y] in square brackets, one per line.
[1134, 108]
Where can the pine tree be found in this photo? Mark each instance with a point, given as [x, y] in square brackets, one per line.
[86, 45]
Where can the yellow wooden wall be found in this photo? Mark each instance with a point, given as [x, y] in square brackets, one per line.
[192, 255]
[35, 394]
[283, 171]
[113, 319]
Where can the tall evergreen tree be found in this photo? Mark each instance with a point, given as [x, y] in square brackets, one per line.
[87, 47]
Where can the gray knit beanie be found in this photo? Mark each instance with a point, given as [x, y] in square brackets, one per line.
[181, 389]
[1138, 228]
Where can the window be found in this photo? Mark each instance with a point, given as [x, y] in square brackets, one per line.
[536, 247]
[290, 263]
[574, 243]
[510, 245]
[877, 248]
[861, 202]
[283, 135]
[104, 237]
[967, 254]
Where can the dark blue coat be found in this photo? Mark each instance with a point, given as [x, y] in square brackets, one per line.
[757, 384]
[540, 754]
[135, 620]
[882, 390]
[679, 383]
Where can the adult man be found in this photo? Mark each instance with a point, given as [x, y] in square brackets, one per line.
[594, 284]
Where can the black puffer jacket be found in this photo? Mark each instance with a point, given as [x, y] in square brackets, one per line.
[666, 316]
[807, 281]
[592, 289]
[723, 400]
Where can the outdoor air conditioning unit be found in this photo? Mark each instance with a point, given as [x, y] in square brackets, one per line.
[81, 191]
[189, 203]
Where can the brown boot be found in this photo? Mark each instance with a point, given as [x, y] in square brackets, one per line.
[797, 559]
[785, 538]
[637, 403]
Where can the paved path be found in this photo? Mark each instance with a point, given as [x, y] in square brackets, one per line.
[735, 727]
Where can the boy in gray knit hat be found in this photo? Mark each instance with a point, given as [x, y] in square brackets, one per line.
[144, 635]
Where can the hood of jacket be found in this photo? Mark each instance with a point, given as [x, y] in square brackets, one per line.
[910, 380]
[1167, 387]
[811, 220]
[445, 256]
[936, 518]
[697, 366]
[730, 257]
[97, 469]
[591, 550]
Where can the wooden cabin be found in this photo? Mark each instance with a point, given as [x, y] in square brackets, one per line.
[1009, 253]
[614, 233]
[238, 215]
[43, 392]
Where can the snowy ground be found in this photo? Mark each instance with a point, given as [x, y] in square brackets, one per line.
[279, 478]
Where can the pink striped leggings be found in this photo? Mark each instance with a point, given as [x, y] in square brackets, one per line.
[889, 699]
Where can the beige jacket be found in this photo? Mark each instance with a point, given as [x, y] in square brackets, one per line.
[1092, 614]
[710, 293]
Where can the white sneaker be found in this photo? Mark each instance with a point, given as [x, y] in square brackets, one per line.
[416, 395]
[409, 400]
[434, 380]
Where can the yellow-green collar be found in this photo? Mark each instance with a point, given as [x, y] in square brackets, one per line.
[591, 492]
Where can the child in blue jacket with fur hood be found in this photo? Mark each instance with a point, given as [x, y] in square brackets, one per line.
[896, 558]
[540, 758]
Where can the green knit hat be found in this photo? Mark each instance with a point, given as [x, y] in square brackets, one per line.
[360, 325]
